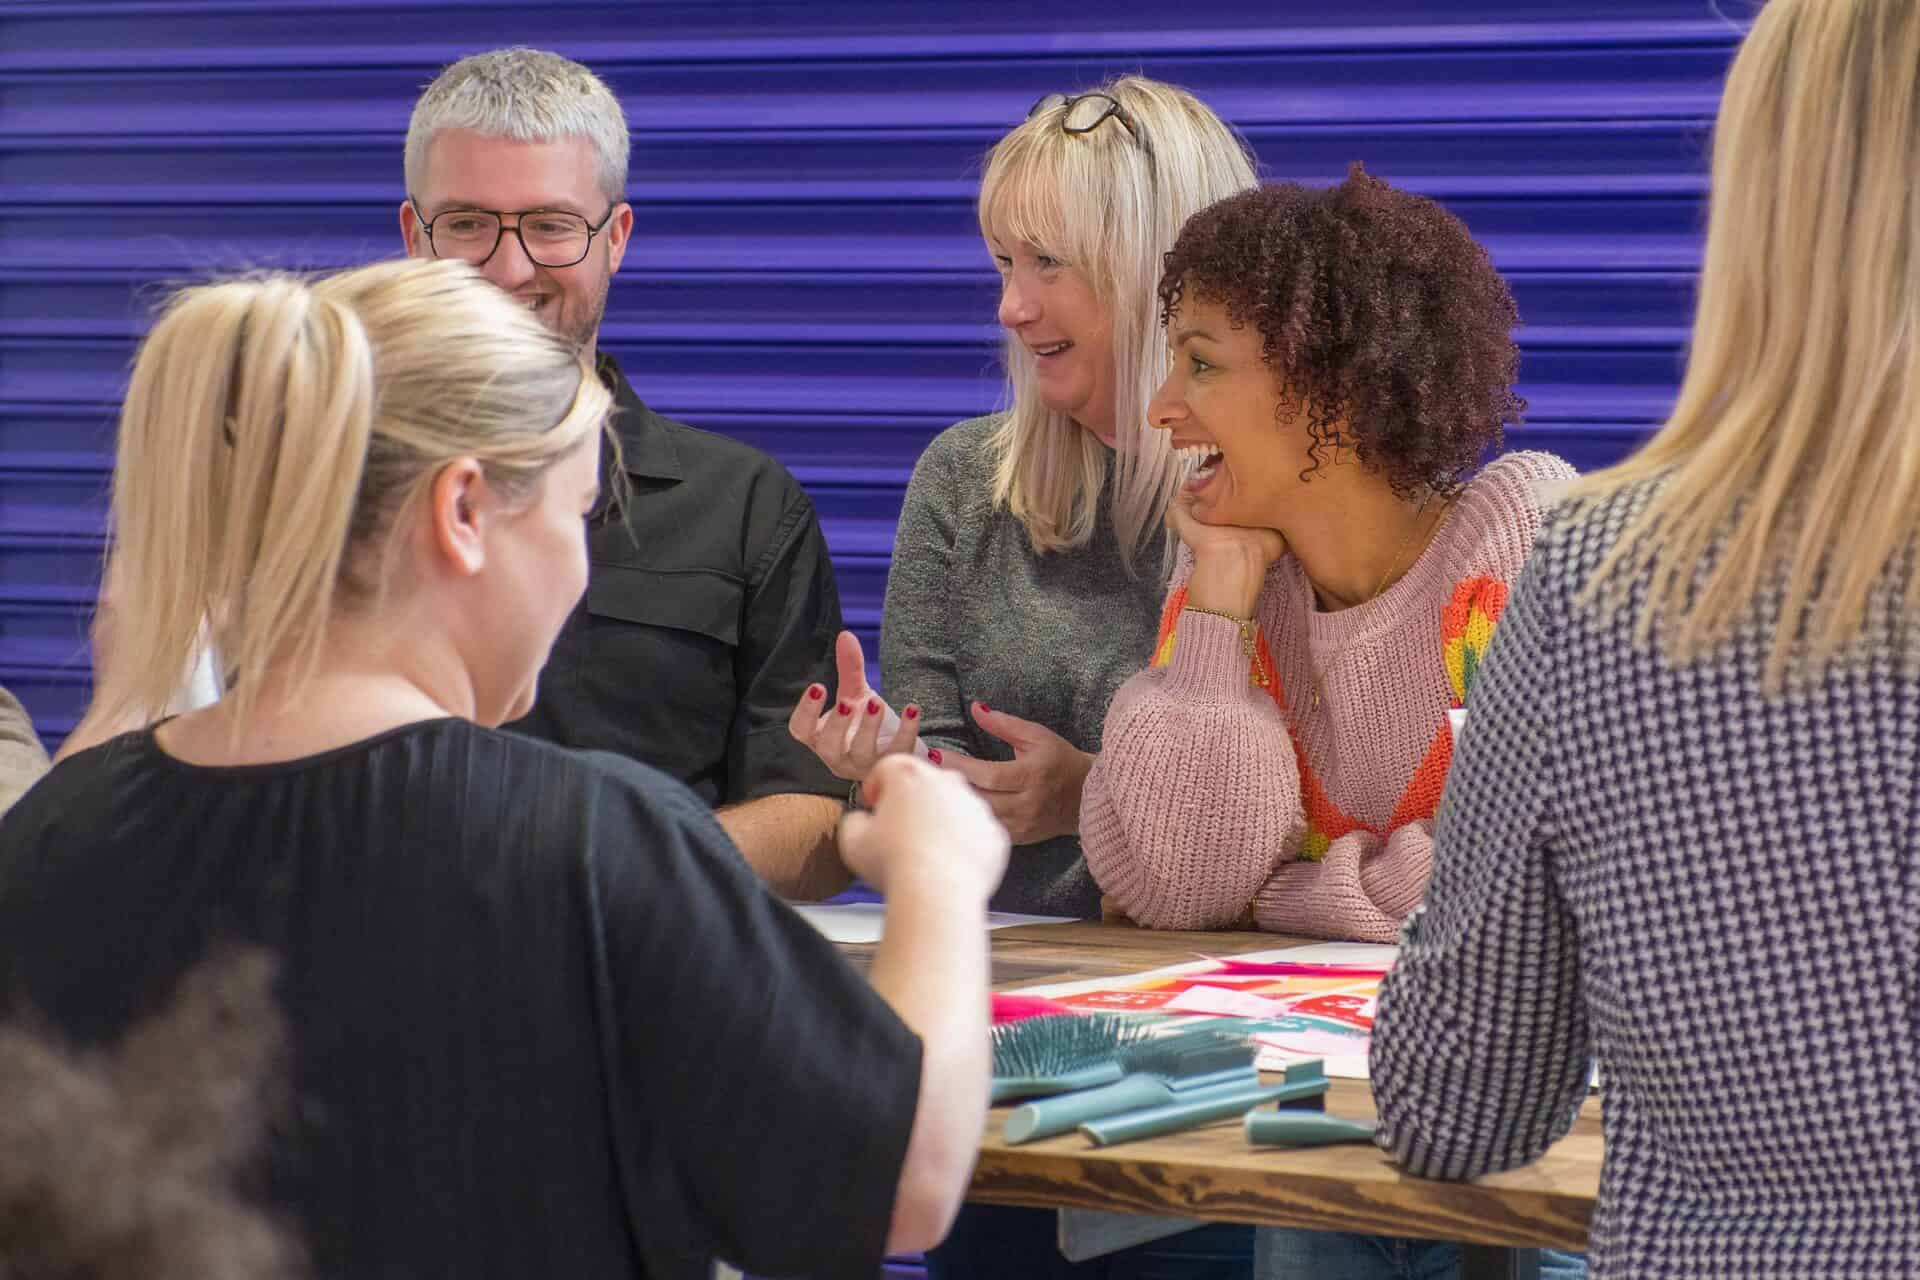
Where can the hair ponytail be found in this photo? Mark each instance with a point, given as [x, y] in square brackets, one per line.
[241, 444]
[303, 423]
[273, 430]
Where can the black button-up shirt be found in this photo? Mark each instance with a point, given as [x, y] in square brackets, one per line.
[709, 609]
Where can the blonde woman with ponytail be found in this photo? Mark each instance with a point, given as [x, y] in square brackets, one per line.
[1680, 838]
[509, 969]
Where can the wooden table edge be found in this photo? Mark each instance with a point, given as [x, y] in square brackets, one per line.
[1153, 1177]
[1141, 1181]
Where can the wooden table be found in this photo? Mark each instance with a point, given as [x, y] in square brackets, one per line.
[1213, 1174]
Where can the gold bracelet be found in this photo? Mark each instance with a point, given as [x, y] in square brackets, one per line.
[1248, 631]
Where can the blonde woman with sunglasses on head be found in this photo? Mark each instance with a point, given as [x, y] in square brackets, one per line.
[544, 1018]
[1681, 836]
[1031, 554]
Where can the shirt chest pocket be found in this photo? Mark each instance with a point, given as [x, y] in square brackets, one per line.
[668, 640]
[696, 603]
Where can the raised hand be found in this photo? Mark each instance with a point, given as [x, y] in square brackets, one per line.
[853, 730]
[925, 824]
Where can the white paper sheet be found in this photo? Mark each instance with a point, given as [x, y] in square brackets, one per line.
[866, 921]
[1375, 955]
[1341, 1065]
[1370, 955]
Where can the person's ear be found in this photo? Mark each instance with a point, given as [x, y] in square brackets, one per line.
[458, 503]
[413, 233]
[619, 232]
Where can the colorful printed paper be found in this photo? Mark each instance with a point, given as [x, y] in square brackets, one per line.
[1300, 1002]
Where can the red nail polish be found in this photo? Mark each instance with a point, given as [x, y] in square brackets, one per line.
[913, 713]
[985, 707]
[815, 693]
[934, 755]
[873, 708]
[845, 710]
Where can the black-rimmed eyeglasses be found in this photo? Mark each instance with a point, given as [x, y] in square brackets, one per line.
[1085, 112]
[549, 237]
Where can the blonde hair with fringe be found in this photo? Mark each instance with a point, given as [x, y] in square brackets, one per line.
[275, 429]
[1794, 446]
[1108, 206]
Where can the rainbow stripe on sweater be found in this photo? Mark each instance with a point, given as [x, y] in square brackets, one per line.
[1466, 628]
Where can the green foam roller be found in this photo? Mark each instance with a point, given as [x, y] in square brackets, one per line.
[1200, 1108]
[1067, 1112]
[1289, 1128]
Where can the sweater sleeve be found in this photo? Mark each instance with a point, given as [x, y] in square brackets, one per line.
[1480, 1045]
[1359, 892]
[1196, 794]
[918, 650]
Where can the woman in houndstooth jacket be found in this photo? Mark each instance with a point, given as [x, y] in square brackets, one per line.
[1680, 837]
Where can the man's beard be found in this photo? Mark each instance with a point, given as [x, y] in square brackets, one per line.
[582, 333]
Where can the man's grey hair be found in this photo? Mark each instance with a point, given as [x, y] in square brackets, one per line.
[528, 95]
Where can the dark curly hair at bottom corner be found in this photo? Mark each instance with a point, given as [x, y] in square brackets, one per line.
[1376, 308]
[138, 1163]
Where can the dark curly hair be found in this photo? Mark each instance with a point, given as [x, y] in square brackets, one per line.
[1376, 308]
[128, 1164]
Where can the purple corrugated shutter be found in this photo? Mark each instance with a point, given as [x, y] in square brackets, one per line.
[807, 275]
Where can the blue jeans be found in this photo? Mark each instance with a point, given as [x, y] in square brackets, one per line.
[1283, 1253]
[997, 1242]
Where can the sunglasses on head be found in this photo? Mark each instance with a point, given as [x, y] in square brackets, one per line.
[1085, 112]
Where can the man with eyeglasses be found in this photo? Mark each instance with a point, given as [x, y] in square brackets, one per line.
[711, 604]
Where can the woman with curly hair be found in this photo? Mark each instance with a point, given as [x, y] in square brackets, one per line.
[1342, 359]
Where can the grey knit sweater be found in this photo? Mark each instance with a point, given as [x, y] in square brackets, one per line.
[973, 614]
[1711, 891]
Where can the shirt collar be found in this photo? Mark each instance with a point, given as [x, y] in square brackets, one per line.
[646, 445]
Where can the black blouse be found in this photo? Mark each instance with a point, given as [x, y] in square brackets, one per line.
[545, 1021]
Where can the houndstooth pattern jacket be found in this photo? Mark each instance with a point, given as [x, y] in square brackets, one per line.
[1711, 892]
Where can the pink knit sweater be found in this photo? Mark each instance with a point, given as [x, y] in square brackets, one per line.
[1220, 786]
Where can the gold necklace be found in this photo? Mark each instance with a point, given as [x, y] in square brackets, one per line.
[1320, 668]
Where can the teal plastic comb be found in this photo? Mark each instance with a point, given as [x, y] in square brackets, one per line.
[1059, 1054]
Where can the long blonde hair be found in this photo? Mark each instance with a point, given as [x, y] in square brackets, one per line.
[1108, 204]
[274, 430]
[1795, 443]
